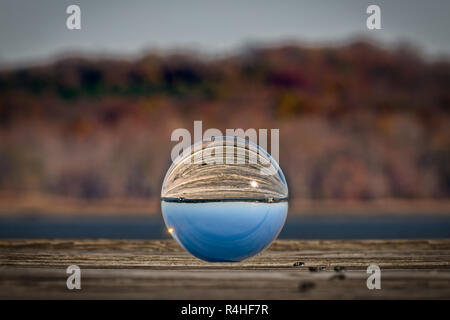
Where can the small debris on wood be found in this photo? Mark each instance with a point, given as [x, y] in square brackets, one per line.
[306, 286]
[299, 264]
[319, 268]
[339, 268]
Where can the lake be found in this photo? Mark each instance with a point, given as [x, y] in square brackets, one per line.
[403, 227]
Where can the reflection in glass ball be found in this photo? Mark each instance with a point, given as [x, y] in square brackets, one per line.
[224, 199]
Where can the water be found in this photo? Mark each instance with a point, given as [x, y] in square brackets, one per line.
[308, 228]
[224, 231]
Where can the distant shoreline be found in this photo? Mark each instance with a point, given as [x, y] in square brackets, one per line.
[52, 206]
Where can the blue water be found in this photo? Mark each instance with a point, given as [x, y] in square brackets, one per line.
[224, 231]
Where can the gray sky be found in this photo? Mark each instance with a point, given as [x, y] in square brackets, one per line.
[35, 30]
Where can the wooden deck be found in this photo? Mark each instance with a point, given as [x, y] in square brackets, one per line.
[129, 269]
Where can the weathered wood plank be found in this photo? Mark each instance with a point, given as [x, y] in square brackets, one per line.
[411, 269]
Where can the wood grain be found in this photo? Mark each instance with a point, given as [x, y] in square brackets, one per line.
[131, 269]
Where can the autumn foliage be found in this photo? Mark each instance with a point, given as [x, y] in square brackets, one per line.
[356, 121]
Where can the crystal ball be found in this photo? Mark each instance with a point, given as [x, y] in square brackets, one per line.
[224, 199]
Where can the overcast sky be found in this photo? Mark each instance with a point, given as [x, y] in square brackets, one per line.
[35, 30]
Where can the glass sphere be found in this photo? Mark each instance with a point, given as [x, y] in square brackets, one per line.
[224, 199]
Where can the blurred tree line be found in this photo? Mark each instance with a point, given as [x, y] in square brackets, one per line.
[356, 121]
